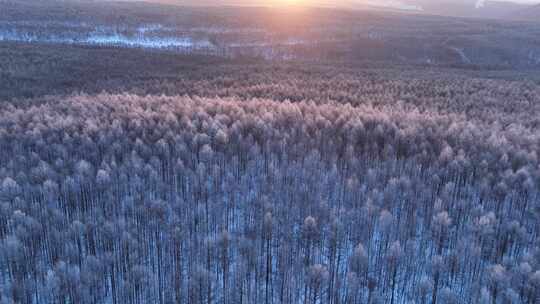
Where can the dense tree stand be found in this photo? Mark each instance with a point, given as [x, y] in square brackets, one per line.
[129, 199]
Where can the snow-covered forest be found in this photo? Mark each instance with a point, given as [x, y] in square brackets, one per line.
[159, 154]
[128, 199]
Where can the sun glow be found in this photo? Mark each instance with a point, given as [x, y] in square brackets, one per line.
[289, 2]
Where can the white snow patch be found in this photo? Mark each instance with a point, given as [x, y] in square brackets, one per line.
[462, 55]
[113, 39]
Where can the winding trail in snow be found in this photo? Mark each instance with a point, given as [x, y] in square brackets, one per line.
[462, 55]
[459, 51]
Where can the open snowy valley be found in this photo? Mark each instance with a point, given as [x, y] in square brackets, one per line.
[273, 34]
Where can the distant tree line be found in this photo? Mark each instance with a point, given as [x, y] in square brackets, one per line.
[129, 199]
[32, 71]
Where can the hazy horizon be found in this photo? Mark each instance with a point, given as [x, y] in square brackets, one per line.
[458, 8]
[332, 2]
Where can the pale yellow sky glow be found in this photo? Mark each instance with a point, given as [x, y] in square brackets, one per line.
[384, 3]
[288, 2]
[400, 4]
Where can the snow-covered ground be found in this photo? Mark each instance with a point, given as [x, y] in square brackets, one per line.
[139, 41]
[216, 40]
[464, 58]
[147, 42]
